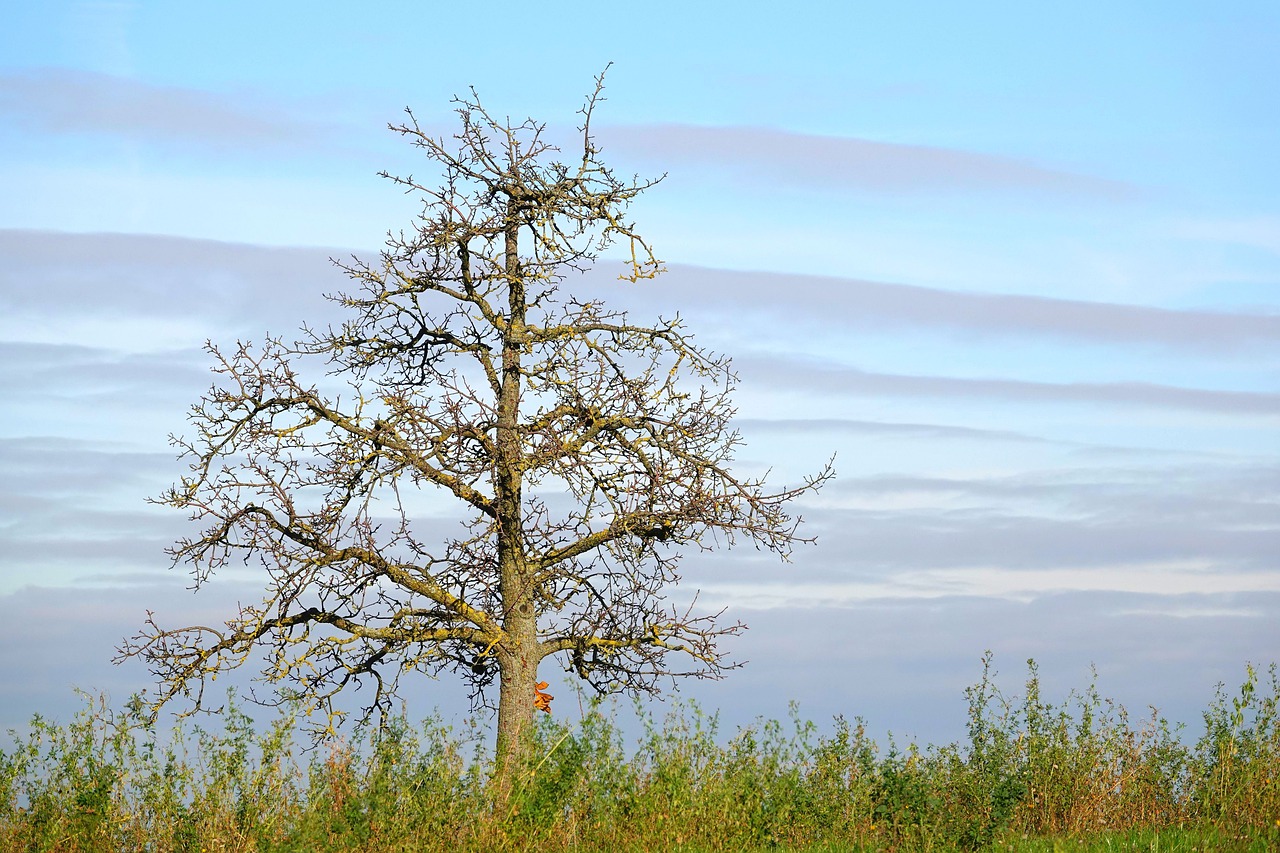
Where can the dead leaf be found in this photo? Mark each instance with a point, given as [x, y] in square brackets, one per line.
[542, 701]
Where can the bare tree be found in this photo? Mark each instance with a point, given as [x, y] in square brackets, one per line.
[585, 452]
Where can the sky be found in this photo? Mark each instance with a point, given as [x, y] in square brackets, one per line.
[1016, 265]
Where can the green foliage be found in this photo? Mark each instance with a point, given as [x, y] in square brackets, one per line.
[1031, 775]
[1233, 772]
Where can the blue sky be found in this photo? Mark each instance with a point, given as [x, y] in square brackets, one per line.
[1018, 266]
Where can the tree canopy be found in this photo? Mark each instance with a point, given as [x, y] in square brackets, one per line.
[586, 453]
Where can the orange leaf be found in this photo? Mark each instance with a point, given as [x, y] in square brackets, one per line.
[542, 701]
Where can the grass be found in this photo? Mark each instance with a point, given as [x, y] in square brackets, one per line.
[1029, 776]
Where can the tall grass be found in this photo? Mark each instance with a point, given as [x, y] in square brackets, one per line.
[1029, 773]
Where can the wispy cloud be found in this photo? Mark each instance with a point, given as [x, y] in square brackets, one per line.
[868, 305]
[1230, 496]
[1257, 232]
[68, 372]
[808, 426]
[827, 377]
[171, 277]
[65, 101]
[767, 155]
[1203, 528]
[178, 290]
[879, 545]
[71, 507]
[1001, 583]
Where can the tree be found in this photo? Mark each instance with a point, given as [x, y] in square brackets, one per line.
[585, 451]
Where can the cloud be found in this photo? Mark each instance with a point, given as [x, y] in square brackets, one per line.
[903, 664]
[940, 435]
[794, 374]
[924, 545]
[59, 638]
[1181, 529]
[1256, 232]
[154, 275]
[1226, 493]
[871, 306]
[143, 277]
[770, 156]
[1157, 580]
[73, 507]
[147, 275]
[1006, 538]
[1072, 564]
[798, 426]
[74, 512]
[39, 371]
[65, 101]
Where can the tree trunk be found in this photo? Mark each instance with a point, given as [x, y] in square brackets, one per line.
[518, 653]
[519, 672]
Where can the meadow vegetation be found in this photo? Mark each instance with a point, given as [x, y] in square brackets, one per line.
[1030, 775]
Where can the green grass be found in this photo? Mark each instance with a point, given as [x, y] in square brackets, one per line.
[1029, 776]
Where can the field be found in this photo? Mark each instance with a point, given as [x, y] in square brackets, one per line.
[1030, 776]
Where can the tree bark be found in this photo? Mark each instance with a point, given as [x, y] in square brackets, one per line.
[518, 656]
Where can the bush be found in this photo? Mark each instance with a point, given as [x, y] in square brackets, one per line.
[1029, 769]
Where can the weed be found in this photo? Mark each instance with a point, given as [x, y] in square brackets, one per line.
[1031, 775]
